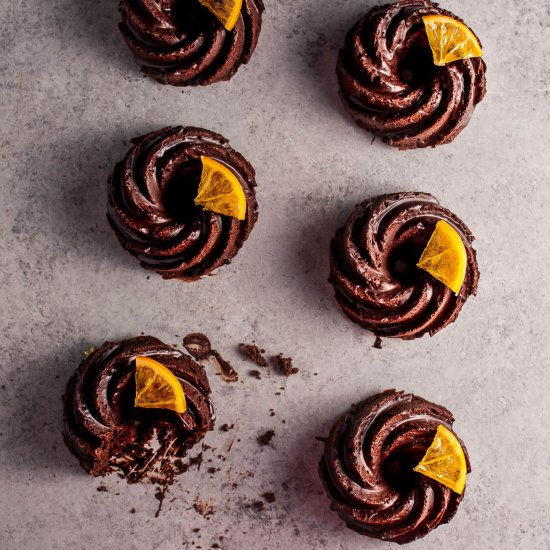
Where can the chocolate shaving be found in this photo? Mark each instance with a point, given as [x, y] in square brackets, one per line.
[160, 495]
[255, 354]
[198, 345]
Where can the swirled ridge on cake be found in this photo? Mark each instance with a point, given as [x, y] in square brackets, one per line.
[374, 273]
[391, 87]
[183, 44]
[151, 203]
[107, 433]
[367, 468]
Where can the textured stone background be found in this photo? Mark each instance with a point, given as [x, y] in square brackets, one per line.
[72, 98]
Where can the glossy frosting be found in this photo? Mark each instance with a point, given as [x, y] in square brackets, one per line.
[367, 468]
[151, 203]
[107, 433]
[374, 273]
[391, 87]
[183, 44]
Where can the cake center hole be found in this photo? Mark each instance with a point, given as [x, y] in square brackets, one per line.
[181, 191]
[402, 262]
[398, 470]
[416, 66]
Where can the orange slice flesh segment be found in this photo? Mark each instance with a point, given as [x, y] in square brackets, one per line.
[226, 11]
[445, 257]
[157, 387]
[220, 190]
[444, 461]
[450, 40]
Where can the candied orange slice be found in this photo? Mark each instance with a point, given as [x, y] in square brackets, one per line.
[450, 40]
[445, 461]
[157, 387]
[227, 11]
[220, 190]
[445, 257]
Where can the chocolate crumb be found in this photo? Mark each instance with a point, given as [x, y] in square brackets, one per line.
[133, 511]
[285, 365]
[227, 427]
[265, 438]
[216, 545]
[196, 529]
[377, 343]
[272, 413]
[102, 489]
[255, 354]
[256, 374]
[269, 497]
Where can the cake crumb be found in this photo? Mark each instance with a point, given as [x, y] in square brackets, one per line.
[254, 353]
[133, 511]
[227, 427]
[102, 489]
[377, 343]
[265, 438]
[269, 497]
[256, 374]
[285, 365]
[203, 507]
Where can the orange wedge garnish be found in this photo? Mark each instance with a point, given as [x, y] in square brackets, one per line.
[220, 190]
[227, 11]
[450, 40]
[445, 461]
[157, 387]
[445, 257]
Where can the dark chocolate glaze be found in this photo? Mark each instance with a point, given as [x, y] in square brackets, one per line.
[107, 433]
[181, 43]
[367, 468]
[151, 203]
[391, 87]
[373, 267]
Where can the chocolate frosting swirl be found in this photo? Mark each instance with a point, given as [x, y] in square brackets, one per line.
[107, 433]
[151, 203]
[373, 267]
[367, 468]
[181, 43]
[391, 87]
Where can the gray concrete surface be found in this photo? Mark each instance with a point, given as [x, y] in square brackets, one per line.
[72, 98]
